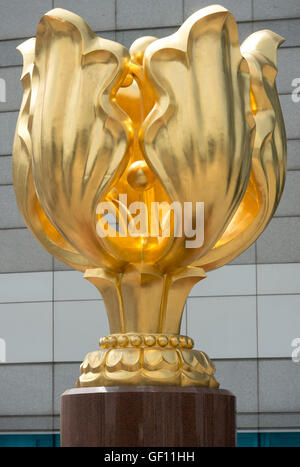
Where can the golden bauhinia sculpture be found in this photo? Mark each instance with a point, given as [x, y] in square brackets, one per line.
[145, 169]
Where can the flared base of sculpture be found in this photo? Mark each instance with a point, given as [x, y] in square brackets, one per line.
[147, 360]
[147, 416]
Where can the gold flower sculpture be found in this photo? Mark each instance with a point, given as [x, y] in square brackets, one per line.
[190, 118]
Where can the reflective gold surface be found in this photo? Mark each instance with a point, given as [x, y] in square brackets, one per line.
[147, 366]
[193, 117]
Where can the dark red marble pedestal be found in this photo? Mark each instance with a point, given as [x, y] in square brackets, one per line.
[156, 416]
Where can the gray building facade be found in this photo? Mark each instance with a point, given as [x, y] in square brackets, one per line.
[246, 315]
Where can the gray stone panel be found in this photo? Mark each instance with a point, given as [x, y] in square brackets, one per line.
[5, 170]
[128, 37]
[239, 377]
[288, 68]
[20, 19]
[280, 242]
[279, 386]
[293, 154]
[291, 115]
[247, 257]
[289, 204]
[99, 14]
[13, 88]
[8, 121]
[9, 55]
[279, 420]
[10, 215]
[241, 9]
[271, 9]
[26, 423]
[65, 377]
[27, 389]
[20, 251]
[133, 14]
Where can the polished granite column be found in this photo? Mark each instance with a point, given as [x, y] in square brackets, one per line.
[156, 416]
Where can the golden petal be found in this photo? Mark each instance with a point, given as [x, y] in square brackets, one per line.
[80, 137]
[194, 378]
[122, 377]
[161, 376]
[198, 136]
[152, 358]
[96, 359]
[131, 358]
[188, 357]
[269, 154]
[28, 204]
[113, 359]
[90, 379]
[170, 357]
